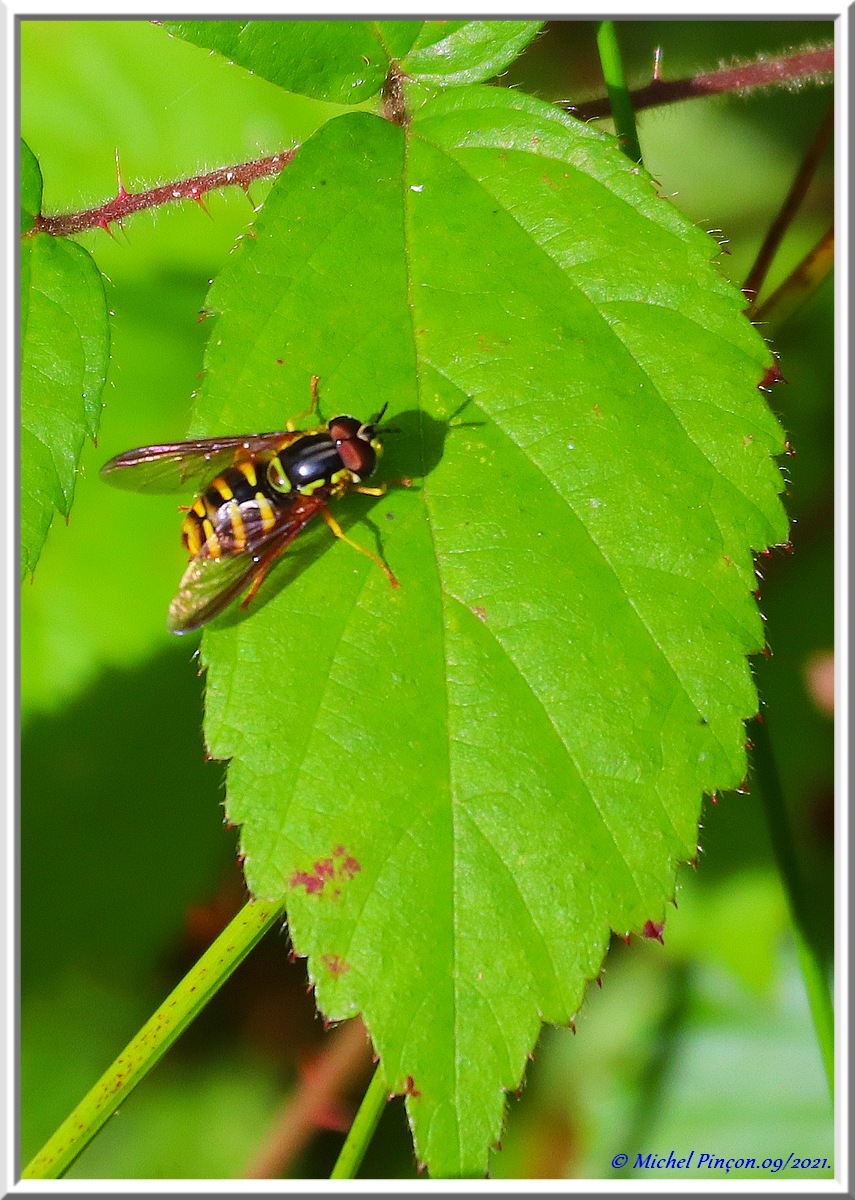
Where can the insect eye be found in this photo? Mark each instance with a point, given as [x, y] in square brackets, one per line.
[344, 429]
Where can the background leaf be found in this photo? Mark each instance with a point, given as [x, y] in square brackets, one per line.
[31, 187]
[467, 51]
[64, 355]
[521, 734]
[342, 61]
[347, 61]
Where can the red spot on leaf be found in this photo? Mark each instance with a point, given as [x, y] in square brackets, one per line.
[310, 882]
[339, 866]
[653, 930]
[410, 1088]
[335, 964]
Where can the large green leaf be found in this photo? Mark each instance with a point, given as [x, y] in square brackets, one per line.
[347, 61]
[65, 350]
[464, 785]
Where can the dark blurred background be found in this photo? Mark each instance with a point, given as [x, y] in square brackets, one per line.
[127, 870]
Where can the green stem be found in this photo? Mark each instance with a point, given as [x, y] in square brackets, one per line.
[362, 1129]
[619, 97]
[152, 1041]
[811, 959]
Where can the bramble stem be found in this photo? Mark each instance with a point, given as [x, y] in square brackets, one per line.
[619, 98]
[156, 1036]
[345, 1056]
[126, 203]
[792, 203]
[362, 1129]
[807, 66]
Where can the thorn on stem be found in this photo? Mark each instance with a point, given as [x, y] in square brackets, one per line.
[121, 193]
[197, 196]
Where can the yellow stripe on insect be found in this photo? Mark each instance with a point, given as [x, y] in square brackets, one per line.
[238, 529]
[212, 542]
[223, 488]
[191, 534]
[268, 520]
[277, 477]
[247, 469]
[199, 507]
[308, 488]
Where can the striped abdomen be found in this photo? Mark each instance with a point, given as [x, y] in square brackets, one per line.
[251, 498]
[233, 512]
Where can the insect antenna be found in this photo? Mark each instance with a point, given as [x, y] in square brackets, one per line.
[372, 424]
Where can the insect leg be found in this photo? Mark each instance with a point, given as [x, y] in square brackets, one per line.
[339, 533]
[263, 567]
[382, 489]
[289, 425]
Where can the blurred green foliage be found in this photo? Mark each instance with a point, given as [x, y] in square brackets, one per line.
[122, 839]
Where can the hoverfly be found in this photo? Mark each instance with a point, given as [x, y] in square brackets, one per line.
[265, 489]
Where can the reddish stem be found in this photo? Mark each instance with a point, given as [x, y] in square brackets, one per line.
[346, 1056]
[792, 203]
[806, 64]
[126, 203]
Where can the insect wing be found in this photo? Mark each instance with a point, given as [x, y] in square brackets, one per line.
[209, 585]
[178, 466]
